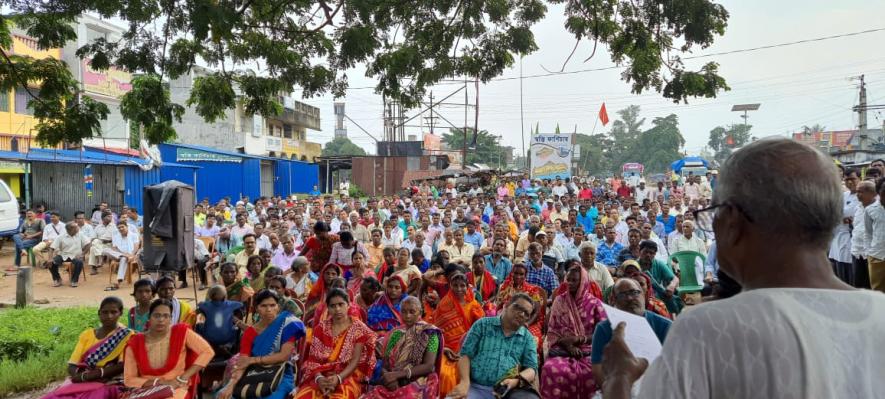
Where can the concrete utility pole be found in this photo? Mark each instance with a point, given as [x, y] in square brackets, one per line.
[861, 107]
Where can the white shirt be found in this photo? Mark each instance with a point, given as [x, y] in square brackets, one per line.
[875, 230]
[840, 247]
[69, 247]
[52, 231]
[680, 243]
[559, 190]
[263, 242]
[395, 240]
[806, 343]
[125, 244]
[642, 194]
[859, 233]
[87, 231]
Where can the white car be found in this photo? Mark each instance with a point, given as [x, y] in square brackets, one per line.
[9, 216]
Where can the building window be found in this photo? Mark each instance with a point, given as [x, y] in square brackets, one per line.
[287, 131]
[21, 101]
[4, 101]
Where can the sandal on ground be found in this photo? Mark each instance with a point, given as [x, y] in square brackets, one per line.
[12, 269]
[56, 284]
[74, 285]
[202, 287]
[93, 272]
[112, 288]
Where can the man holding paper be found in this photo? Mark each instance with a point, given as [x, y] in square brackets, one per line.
[629, 299]
[796, 330]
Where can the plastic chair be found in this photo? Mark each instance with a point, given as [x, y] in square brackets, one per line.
[688, 277]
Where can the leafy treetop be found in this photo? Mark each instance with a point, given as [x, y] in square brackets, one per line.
[311, 44]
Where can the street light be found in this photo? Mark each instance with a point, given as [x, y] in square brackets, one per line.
[745, 108]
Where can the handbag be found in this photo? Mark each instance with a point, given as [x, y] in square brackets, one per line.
[260, 380]
[155, 392]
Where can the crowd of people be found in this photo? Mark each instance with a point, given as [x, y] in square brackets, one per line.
[479, 291]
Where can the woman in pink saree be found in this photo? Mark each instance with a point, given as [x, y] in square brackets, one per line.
[96, 366]
[573, 317]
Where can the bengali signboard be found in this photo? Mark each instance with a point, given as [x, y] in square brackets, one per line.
[111, 82]
[551, 156]
[192, 155]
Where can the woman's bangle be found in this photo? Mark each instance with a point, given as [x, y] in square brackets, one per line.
[155, 381]
[339, 378]
[317, 378]
[181, 380]
[409, 373]
[102, 372]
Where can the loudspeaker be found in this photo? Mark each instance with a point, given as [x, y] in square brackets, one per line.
[168, 227]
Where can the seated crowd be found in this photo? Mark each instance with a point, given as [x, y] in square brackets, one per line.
[437, 294]
[432, 294]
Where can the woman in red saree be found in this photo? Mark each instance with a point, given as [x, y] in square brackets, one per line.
[96, 360]
[341, 355]
[318, 292]
[484, 282]
[318, 249]
[516, 283]
[567, 370]
[166, 354]
[455, 314]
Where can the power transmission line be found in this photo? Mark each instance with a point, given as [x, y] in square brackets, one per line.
[745, 50]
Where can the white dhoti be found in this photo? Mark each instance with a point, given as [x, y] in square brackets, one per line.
[124, 262]
[95, 251]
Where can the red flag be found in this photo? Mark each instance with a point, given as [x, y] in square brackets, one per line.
[729, 140]
[603, 115]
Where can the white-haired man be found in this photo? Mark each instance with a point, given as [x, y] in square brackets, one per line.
[796, 330]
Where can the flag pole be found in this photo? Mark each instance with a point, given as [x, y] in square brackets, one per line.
[595, 122]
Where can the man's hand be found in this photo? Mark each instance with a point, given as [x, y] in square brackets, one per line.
[618, 361]
[708, 278]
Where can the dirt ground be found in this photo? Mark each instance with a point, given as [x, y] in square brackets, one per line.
[89, 292]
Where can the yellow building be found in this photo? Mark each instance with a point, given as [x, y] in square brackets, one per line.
[287, 132]
[16, 118]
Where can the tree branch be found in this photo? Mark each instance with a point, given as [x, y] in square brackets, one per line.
[18, 76]
[244, 7]
[592, 53]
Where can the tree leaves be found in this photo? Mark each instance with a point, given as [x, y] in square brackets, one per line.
[148, 105]
[724, 140]
[267, 48]
[342, 146]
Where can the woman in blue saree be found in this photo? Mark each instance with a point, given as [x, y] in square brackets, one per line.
[384, 315]
[269, 341]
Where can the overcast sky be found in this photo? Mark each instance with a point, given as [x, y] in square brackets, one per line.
[797, 85]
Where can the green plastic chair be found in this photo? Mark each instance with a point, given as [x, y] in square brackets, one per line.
[688, 278]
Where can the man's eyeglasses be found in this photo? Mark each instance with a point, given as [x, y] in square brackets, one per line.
[704, 217]
[628, 294]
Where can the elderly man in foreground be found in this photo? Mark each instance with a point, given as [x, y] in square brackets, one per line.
[796, 330]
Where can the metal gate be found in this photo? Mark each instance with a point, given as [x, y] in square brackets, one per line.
[267, 178]
[60, 186]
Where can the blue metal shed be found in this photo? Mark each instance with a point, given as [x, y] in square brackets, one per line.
[292, 177]
[118, 179]
[222, 173]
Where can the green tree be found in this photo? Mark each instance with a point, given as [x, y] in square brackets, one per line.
[595, 157]
[625, 135]
[342, 146]
[310, 46]
[724, 140]
[659, 146]
[486, 151]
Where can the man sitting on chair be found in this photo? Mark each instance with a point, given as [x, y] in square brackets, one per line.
[124, 247]
[68, 247]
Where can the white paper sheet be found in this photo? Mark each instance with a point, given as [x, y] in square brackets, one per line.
[640, 338]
